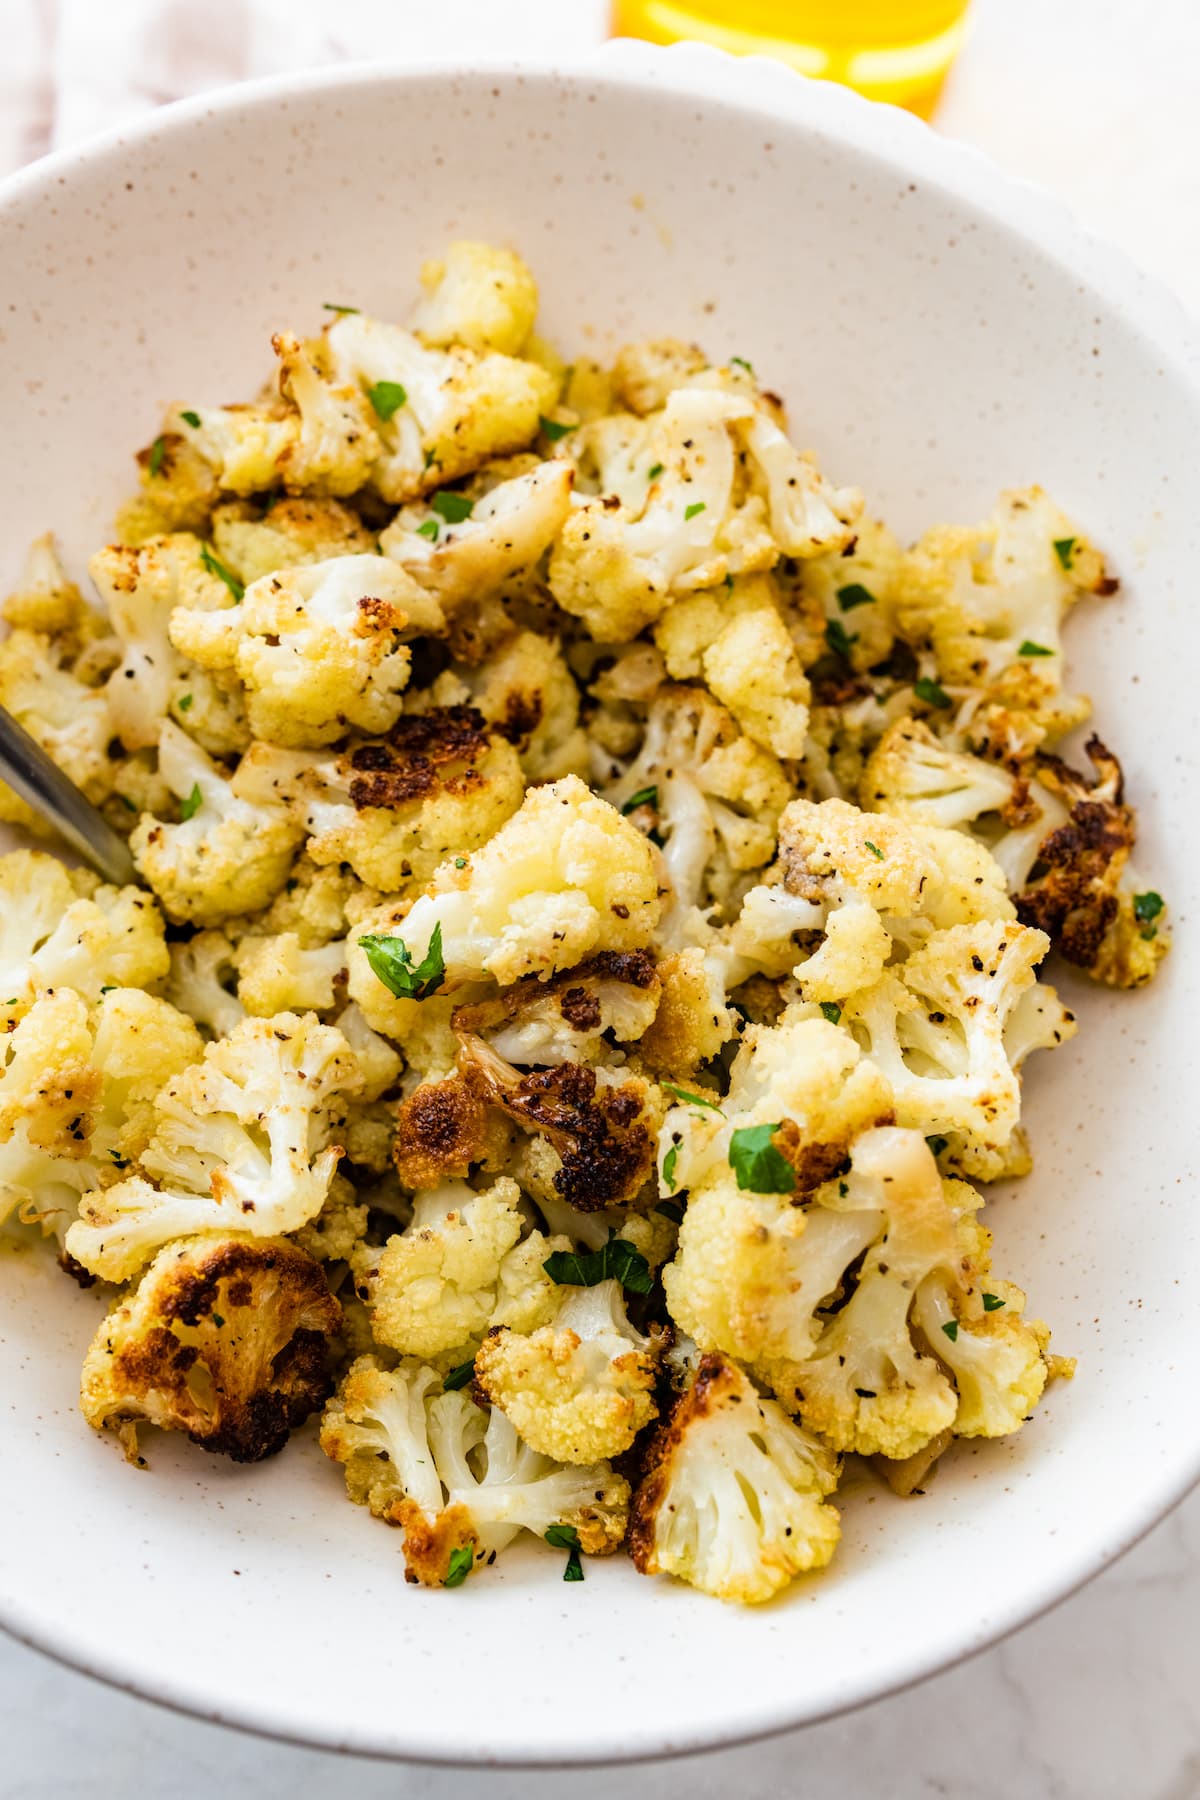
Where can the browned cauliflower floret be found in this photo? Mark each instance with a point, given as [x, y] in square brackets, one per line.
[292, 530]
[224, 1338]
[576, 1016]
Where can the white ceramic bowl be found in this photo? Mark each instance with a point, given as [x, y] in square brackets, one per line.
[939, 332]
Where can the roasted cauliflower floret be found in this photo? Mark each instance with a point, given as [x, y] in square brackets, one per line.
[225, 856]
[201, 982]
[50, 1094]
[62, 928]
[479, 295]
[841, 605]
[710, 793]
[565, 877]
[647, 373]
[573, 1017]
[433, 1287]
[68, 718]
[439, 414]
[45, 599]
[395, 809]
[291, 531]
[240, 1142]
[734, 1498]
[737, 642]
[277, 973]
[911, 774]
[224, 1338]
[322, 649]
[468, 551]
[1085, 897]
[579, 1389]
[528, 695]
[459, 1483]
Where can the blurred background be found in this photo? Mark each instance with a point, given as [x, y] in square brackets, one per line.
[1097, 100]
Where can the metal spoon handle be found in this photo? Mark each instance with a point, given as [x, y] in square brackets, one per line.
[30, 773]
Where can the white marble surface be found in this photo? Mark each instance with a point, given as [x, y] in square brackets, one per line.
[1098, 1701]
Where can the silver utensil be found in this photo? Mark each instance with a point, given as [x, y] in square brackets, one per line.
[30, 773]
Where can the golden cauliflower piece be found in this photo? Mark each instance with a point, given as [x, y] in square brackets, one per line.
[485, 543]
[63, 928]
[579, 1389]
[734, 1497]
[66, 716]
[291, 531]
[527, 693]
[224, 1339]
[736, 641]
[479, 295]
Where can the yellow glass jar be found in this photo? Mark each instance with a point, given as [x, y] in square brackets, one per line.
[895, 50]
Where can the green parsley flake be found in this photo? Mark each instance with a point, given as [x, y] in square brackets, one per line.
[462, 1561]
[122, 1162]
[951, 1330]
[332, 306]
[937, 1144]
[697, 506]
[192, 419]
[131, 805]
[760, 1168]
[874, 849]
[391, 960]
[992, 1303]
[430, 529]
[386, 397]
[565, 1537]
[1031, 649]
[854, 594]
[1146, 907]
[832, 1011]
[184, 702]
[217, 1320]
[647, 796]
[452, 507]
[458, 1378]
[460, 862]
[555, 430]
[158, 450]
[653, 473]
[691, 1099]
[191, 806]
[618, 1260]
[103, 990]
[1064, 549]
[668, 1169]
[739, 362]
[839, 639]
[216, 567]
[931, 692]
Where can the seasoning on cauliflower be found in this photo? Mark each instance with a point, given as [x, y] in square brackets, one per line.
[734, 1499]
[439, 785]
[911, 774]
[62, 928]
[289, 531]
[736, 641]
[1084, 897]
[479, 295]
[579, 1389]
[483, 544]
[565, 877]
[224, 1338]
[322, 649]
[574, 1017]
[527, 693]
[240, 1142]
[225, 856]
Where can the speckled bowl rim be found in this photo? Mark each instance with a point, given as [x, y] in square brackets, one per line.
[1033, 217]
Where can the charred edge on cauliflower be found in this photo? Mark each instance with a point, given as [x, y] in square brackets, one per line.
[579, 1007]
[441, 1131]
[416, 756]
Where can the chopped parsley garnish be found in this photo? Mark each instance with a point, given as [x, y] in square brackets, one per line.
[131, 805]
[653, 473]
[729, 582]
[554, 430]
[874, 849]
[760, 1168]
[697, 506]
[854, 594]
[931, 692]
[951, 1330]
[104, 990]
[430, 529]
[332, 306]
[462, 1561]
[386, 397]
[458, 1378]
[452, 507]
[843, 1189]
[839, 639]
[460, 862]
[216, 567]
[1146, 908]
[832, 1011]
[618, 1260]
[647, 796]
[217, 1320]
[191, 806]
[184, 702]
[739, 362]
[158, 450]
[565, 1537]
[192, 419]
[992, 1303]
[122, 1162]
[668, 1169]
[1028, 648]
[670, 1209]
[937, 1144]
[391, 959]
[691, 1099]
[1064, 549]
